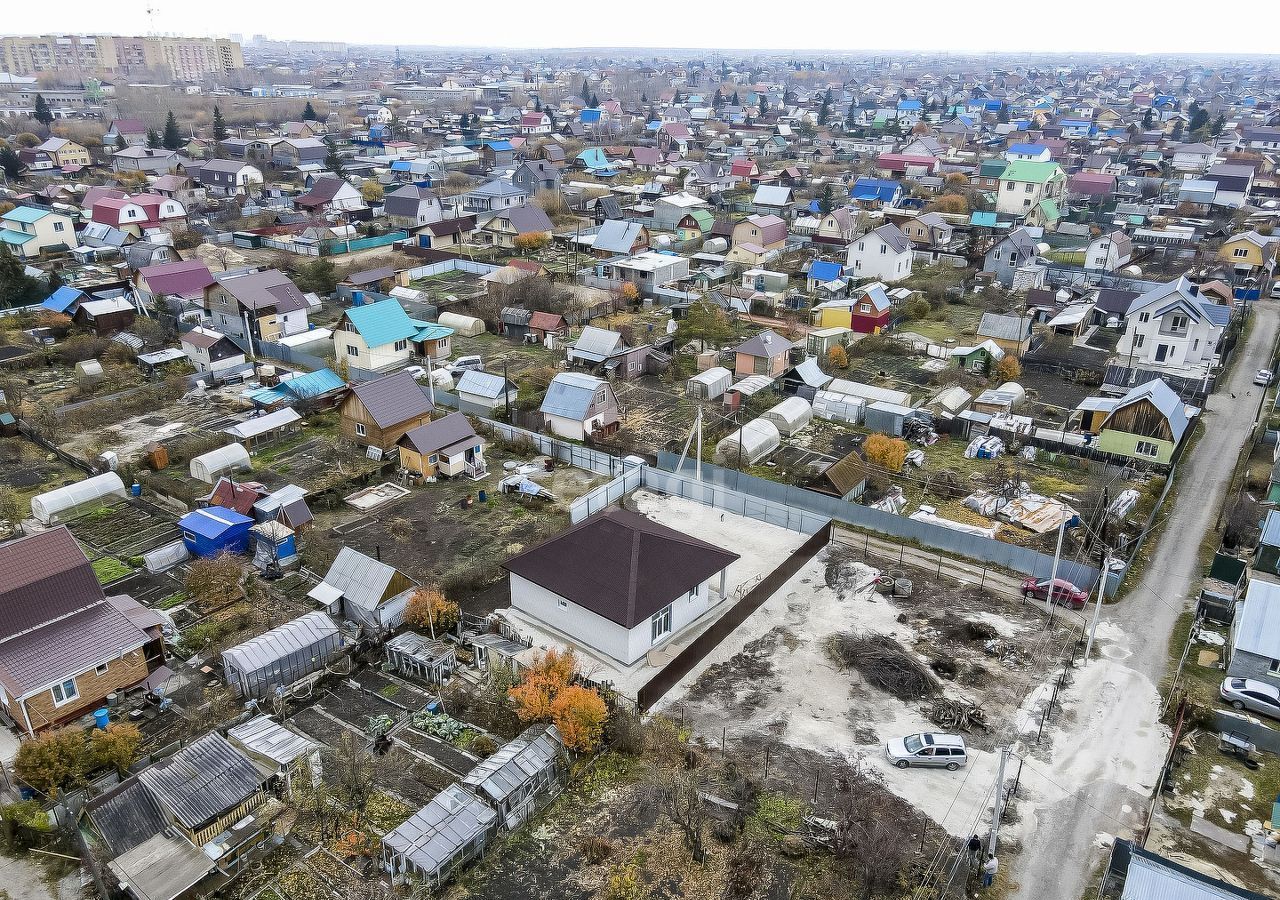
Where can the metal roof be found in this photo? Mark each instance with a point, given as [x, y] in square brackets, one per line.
[384, 322]
[266, 737]
[1151, 877]
[262, 424]
[212, 522]
[516, 763]
[1257, 628]
[597, 342]
[361, 579]
[309, 630]
[481, 384]
[126, 816]
[438, 832]
[393, 399]
[203, 780]
[570, 394]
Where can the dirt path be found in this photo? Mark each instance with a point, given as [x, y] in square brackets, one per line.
[1114, 723]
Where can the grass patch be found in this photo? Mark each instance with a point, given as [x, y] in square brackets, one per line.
[776, 812]
[109, 569]
[175, 599]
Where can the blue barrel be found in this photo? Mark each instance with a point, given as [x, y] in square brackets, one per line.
[357, 298]
[484, 496]
[136, 489]
[26, 793]
[101, 717]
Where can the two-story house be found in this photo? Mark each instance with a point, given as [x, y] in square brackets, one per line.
[148, 160]
[1173, 327]
[229, 177]
[883, 254]
[64, 153]
[928, 230]
[578, 405]
[134, 132]
[1010, 253]
[378, 413]
[768, 232]
[211, 351]
[501, 227]
[264, 305]
[64, 644]
[535, 175]
[1024, 186]
[412, 206]
[330, 195]
[376, 336]
[28, 231]
[1251, 256]
[1109, 252]
[137, 213]
[493, 196]
[535, 124]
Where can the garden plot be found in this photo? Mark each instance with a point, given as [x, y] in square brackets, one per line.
[786, 672]
[125, 531]
[655, 417]
[29, 470]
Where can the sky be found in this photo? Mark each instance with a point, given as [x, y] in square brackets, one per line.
[1103, 26]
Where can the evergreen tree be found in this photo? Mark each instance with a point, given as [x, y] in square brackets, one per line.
[851, 118]
[735, 101]
[121, 143]
[594, 102]
[824, 111]
[1176, 134]
[153, 139]
[676, 100]
[651, 115]
[644, 98]
[717, 99]
[42, 113]
[1003, 115]
[585, 93]
[537, 104]
[1147, 117]
[309, 113]
[1218, 124]
[53, 280]
[826, 203]
[332, 161]
[464, 123]
[764, 104]
[1199, 119]
[551, 118]
[10, 163]
[172, 136]
[17, 288]
[220, 124]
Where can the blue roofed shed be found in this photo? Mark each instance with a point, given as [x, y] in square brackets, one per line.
[213, 530]
[64, 300]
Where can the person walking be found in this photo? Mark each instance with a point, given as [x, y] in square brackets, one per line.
[975, 851]
[989, 870]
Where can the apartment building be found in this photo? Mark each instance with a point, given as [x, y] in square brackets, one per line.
[187, 58]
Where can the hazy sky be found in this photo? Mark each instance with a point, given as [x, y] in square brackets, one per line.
[1164, 26]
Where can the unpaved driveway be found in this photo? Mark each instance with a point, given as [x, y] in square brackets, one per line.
[1110, 790]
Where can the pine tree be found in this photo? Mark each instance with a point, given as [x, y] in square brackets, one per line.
[537, 104]
[172, 136]
[1147, 117]
[219, 125]
[551, 119]
[594, 102]
[309, 113]
[1176, 134]
[826, 203]
[42, 113]
[121, 143]
[153, 139]
[1199, 119]
[824, 111]
[764, 105]
[332, 161]
[1218, 124]
[10, 163]
[717, 99]
[644, 98]
[464, 122]
[585, 93]
[735, 101]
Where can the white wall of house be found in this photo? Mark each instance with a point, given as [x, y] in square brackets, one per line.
[199, 357]
[1173, 341]
[377, 359]
[871, 257]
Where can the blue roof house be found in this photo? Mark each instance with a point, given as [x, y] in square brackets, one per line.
[876, 191]
[213, 530]
[593, 159]
[589, 117]
[65, 299]
[823, 272]
[375, 337]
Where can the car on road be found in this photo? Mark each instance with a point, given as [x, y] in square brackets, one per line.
[1258, 696]
[1264, 377]
[418, 373]
[1064, 594]
[466, 364]
[944, 751]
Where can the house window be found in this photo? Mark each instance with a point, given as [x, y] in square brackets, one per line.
[64, 693]
[353, 350]
[996, 254]
[1139, 340]
[865, 307]
[1144, 317]
[401, 345]
[883, 249]
[660, 624]
[360, 430]
[100, 670]
[58, 226]
[862, 245]
[562, 604]
[1146, 448]
[1274, 668]
[1240, 252]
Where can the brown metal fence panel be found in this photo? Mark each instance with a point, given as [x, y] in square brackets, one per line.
[657, 686]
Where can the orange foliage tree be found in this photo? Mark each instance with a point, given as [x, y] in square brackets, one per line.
[579, 714]
[886, 452]
[428, 608]
[546, 693]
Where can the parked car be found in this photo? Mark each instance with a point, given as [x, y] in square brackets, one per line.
[466, 364]
[418, 373]
[946, 751]
[1275, 291]
[1065, 594]
[1258, 696]
[1264, 377]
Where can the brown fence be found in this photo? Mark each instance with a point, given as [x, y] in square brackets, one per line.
[657, 686]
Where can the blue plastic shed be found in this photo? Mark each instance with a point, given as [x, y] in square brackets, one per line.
[213, 530]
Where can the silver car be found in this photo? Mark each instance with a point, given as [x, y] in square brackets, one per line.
[1257, 696]
[944, 751]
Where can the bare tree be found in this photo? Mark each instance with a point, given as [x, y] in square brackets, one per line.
[221, 255]
[875, 829]
[678, 794]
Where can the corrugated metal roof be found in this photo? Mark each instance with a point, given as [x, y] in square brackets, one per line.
[212, 522]
[481, 384]
[569, 395]
[203, 780]
[267, 737]
[42, 577]
[516, 763]
[384, 322]
[1151, 877]
[262, 424]
[597, 343]
[1258, 626]
[361, 579]
[393, 399]
[126, 816]
[438, 832]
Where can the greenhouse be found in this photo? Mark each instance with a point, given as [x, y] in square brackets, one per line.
[749, 444]
[282, 655]
[412, 654]
[790, 415]
[464, 326]
[710, 384]
[70, 501]
[838, 407]
[209, 466]
[451, 830]
[522, 776]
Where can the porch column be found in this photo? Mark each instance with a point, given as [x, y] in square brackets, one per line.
[724, 574]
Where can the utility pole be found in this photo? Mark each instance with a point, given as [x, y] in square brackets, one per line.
[1097, 607]
[506, 393]
[1053, 574]
[997, 809]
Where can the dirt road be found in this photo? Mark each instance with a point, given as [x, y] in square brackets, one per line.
[1106, 751]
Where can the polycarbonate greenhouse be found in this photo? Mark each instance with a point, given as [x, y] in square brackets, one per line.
[209, 466]
[74, 499]
[710, 384]
[838, 407]
[282, 655]
[464, 326]
[750, 443]
[454, 828]
[522, 776]
[790, 415]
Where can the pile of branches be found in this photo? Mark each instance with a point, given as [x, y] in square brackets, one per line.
[957, 715]
[883, 662]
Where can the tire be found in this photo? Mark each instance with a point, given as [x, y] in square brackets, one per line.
[902, 764]
[1028, 595]
[1237, 704]
[952, 767]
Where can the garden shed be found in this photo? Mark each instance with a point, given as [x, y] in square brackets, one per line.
[70, 501]
[450, 831]
[282, 655]
[213, 530]
[209, 466]
[522, 776]
[790, 415]
[838, 407]
[886, 417]
[421, 657]
[710, 384]
[466, 326]
[750, 443]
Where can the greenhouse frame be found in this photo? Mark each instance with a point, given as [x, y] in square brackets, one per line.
[208, 467]
[837, 407]
[753, 442]
[790, 416]
[464, 326]
[450, 831]
[281, 656]
[710, 384]
[522, 776]
[70, 501]
[413, 654]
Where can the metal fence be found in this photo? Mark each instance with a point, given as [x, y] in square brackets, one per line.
[574, 454]
[367, 243]
[446, 266]
[291, 355]
[656, 687]
[937, 537]
[611, 492]
[1262, 736]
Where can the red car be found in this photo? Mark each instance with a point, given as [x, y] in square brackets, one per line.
[1064, 593]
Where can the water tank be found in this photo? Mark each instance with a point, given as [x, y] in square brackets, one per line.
[1042, 248]
[1135, 271]
[101, 717]
[715, 245]
[662, 242]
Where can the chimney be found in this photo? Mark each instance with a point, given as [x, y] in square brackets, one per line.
[1193, 289]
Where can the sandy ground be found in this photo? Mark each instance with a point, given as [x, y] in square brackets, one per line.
[760, 546]
[23, 879]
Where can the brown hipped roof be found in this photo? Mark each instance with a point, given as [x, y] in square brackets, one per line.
[393, 399]
[621, 565]
[43, 577]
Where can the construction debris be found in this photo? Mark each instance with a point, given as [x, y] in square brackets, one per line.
[883, 662]
[957, 715]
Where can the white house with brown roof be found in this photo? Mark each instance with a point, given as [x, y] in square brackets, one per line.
[883, 254]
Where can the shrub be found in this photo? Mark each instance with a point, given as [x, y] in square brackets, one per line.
[579, 714]
[484, 746]
[429, 609]
[596, 848]
[886, 452]
[1008, 368]
[53, 761]
[837, 358]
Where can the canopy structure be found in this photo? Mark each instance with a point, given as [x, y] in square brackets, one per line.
[710, 384]
[750, 443]
[790, 415]
[208, 466]
[282, 655]
[68, 502]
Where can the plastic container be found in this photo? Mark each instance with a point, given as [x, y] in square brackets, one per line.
[135, 489]
[101, 717]
[484, 496]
